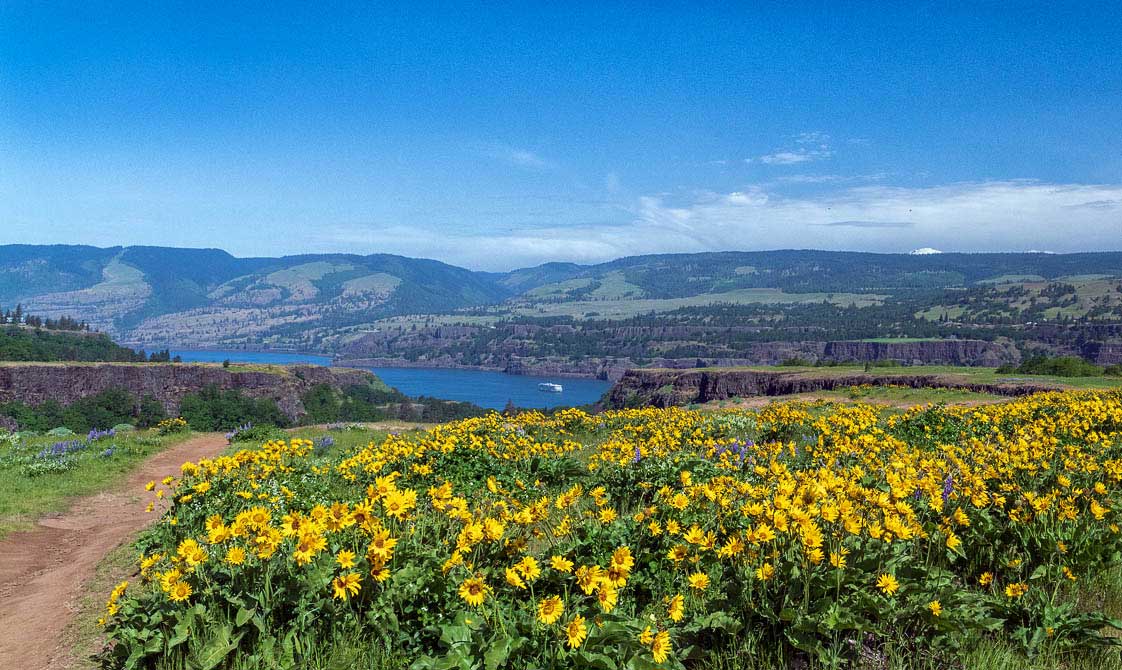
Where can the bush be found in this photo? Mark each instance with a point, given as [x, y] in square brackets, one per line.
[170, 426]
[151, 412]
[1060, 366]
[106, 408]
[252, 433]
[49, 466]
[213, 409]
[795, 362]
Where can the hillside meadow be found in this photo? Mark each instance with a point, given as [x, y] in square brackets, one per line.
[799, 535]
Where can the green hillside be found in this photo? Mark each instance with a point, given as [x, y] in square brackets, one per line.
[155, 296]
[21, 343]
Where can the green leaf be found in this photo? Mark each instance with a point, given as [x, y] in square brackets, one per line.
[497, 654]
[452, 635]
[243, 615]
[217, 648]
[593, 660]
[455, 659]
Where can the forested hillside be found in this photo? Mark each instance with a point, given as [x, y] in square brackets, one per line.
[155, 296]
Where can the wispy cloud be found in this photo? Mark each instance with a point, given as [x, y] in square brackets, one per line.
[831, 178]
[973, 216]
[1099, 204]
[813, 146]
[867, 224]
[523, 158]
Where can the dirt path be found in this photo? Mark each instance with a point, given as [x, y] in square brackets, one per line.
[42, 570]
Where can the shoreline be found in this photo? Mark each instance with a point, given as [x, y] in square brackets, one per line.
[365, 363]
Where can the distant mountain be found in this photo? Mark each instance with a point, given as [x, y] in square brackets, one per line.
[147, 295]
[683, 275]
[158, 296]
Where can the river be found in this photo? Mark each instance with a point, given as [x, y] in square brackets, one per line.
[482, 387]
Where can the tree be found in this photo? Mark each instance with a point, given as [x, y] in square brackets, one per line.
[150, 412]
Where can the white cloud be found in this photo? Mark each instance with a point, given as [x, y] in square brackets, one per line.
[793, 157]
[975, 216]
[830, 178]
[523, 158]
[813, 146]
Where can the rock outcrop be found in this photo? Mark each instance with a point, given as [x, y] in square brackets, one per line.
[34, 383]
[605, 352]
[923, 352]
[1102, 353]
[666, 388]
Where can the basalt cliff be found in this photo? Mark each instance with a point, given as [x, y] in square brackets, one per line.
[33, 383]
[666, 388]
[607, 352]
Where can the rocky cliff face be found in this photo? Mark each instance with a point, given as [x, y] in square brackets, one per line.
[607, 351]
[924, 352]
[1102, 353]
[665, 388]
[34, 383]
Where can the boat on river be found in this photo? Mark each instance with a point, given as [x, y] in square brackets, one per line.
[550, 387]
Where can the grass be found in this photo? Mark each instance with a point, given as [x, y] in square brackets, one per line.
[890, 396]
[83, 636]
[353, 435]
[25, 498]
[234, 367]
[959, 373]
[900, 340]
[627, 307]
[1012, 279]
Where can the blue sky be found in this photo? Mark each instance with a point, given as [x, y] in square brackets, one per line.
[496, 136]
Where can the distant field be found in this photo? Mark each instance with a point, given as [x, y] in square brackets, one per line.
[1030, 298]
[900, 340]
[628, 307]
[1011, 279]
[889, 396]
[979, 375]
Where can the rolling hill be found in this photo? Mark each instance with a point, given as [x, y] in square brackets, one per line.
[158, 296]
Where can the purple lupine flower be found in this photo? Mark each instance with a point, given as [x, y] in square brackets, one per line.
[95, 434]
[62, 448]
[948, 487]
[638, 455]
[240, 429]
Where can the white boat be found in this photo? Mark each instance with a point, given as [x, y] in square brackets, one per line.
[550, 388]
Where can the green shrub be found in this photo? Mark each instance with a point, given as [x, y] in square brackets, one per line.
[213, 409]
[1060, 366]
[795, 362]
[262, 434]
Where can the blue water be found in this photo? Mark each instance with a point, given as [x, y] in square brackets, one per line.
[486, 389]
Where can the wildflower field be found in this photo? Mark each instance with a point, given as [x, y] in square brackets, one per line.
[40, 473]
[805, 534]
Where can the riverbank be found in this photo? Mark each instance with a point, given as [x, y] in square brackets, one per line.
[487, 387]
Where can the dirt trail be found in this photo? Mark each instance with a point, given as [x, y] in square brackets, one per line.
[42, 571]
